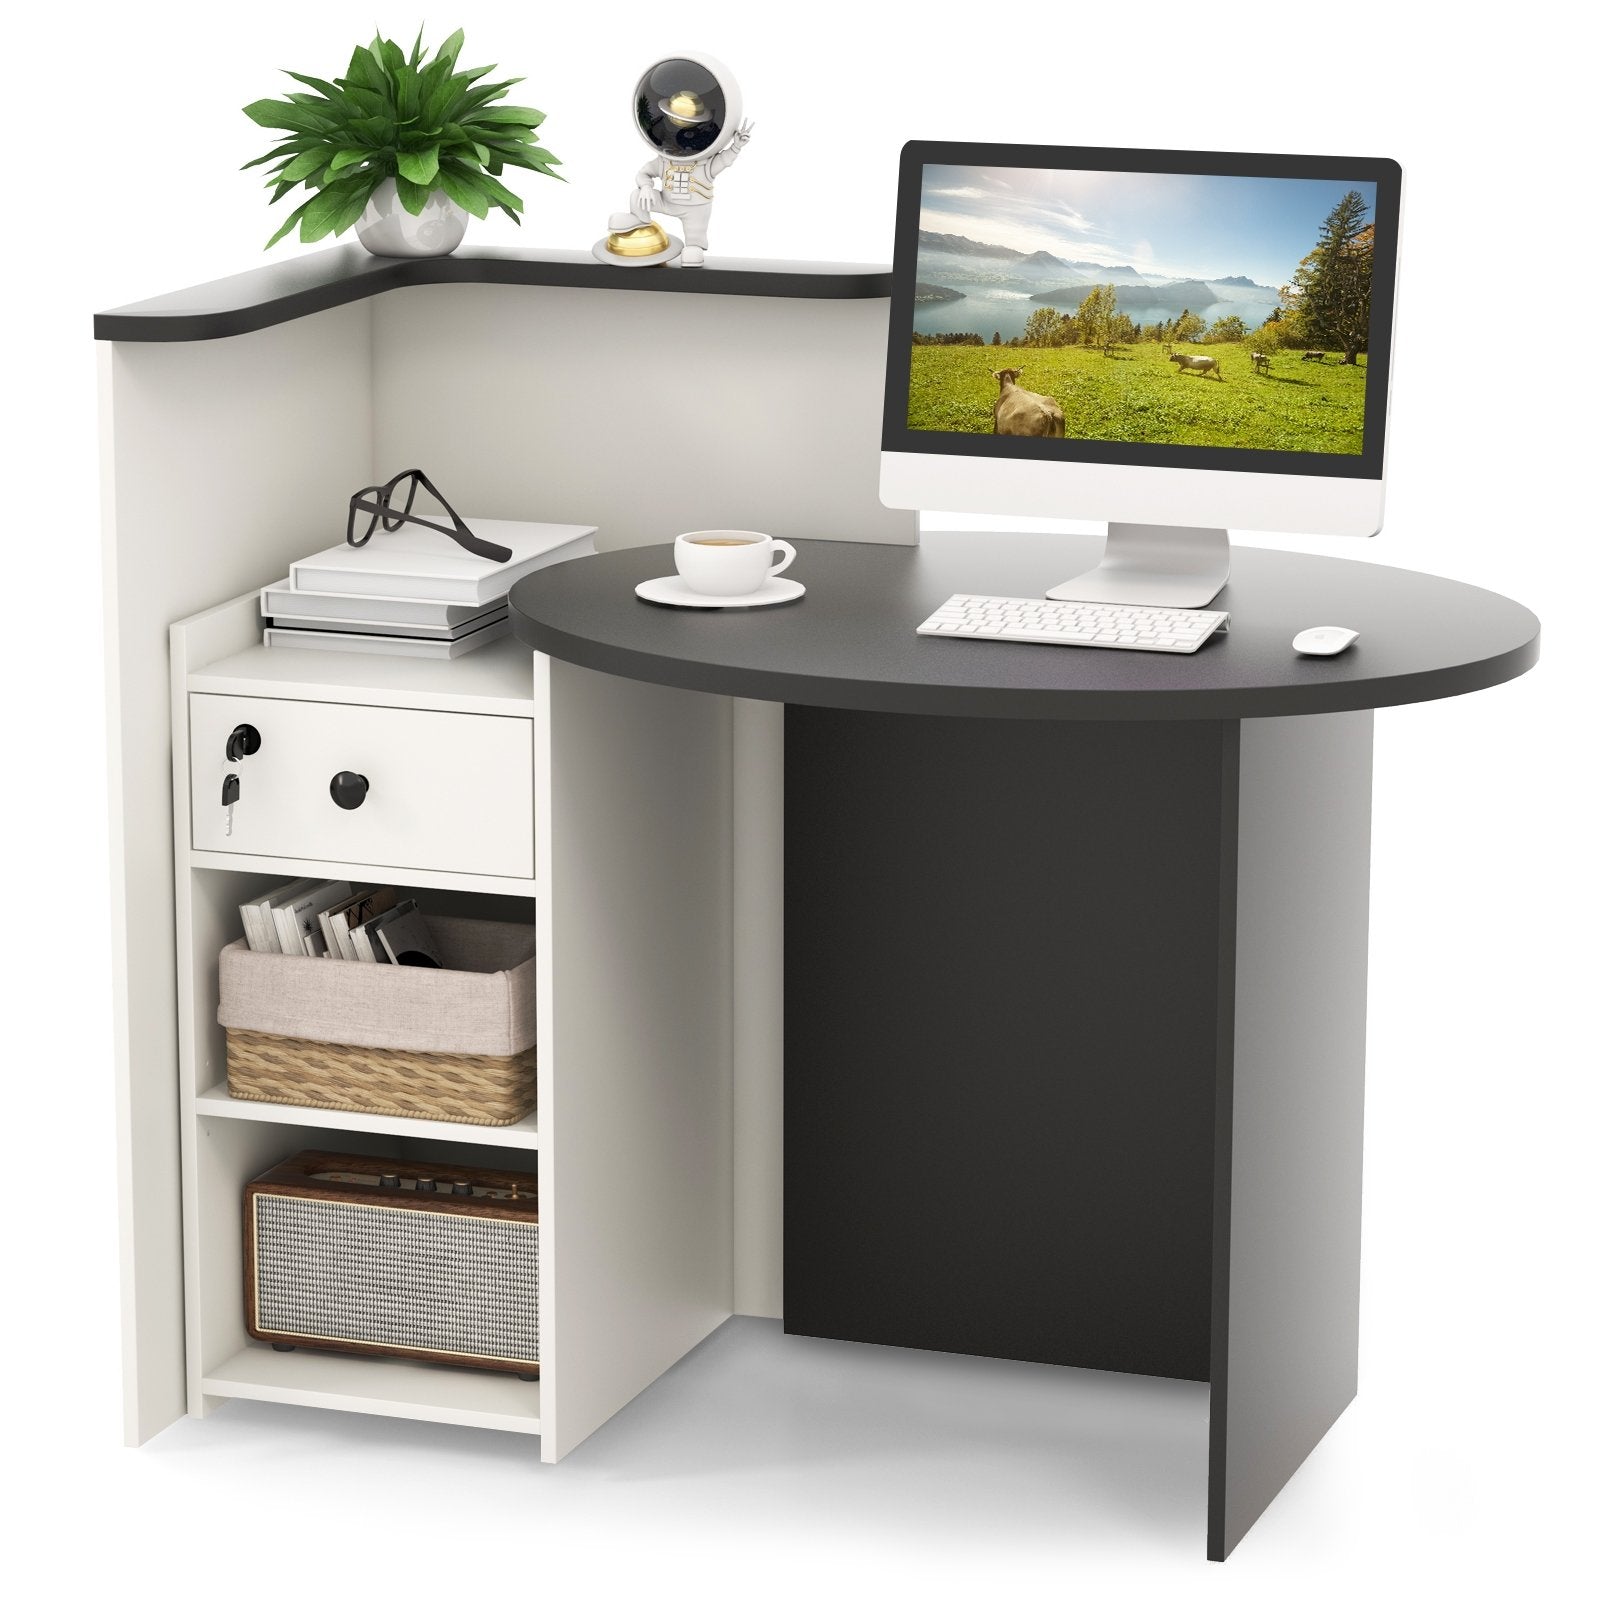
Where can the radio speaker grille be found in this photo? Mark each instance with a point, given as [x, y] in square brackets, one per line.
[413, 1280]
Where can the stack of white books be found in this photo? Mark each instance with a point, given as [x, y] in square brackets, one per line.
[317, 917]
[413, 592]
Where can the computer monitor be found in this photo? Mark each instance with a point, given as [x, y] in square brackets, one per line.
[1176, 342]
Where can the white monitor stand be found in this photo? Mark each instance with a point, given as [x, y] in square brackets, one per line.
[1148, 565]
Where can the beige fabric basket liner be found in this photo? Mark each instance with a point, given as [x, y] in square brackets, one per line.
[481, 1003]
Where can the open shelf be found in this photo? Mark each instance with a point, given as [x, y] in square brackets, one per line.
[217, 1102]
[286, 867]
[381, 1387]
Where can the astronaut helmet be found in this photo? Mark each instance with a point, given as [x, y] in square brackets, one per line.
[687, 107]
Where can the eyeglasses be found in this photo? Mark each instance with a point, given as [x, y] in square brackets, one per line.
[376, 503]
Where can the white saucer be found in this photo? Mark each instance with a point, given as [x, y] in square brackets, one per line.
[673, 591]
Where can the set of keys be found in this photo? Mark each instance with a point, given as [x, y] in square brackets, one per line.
[243, 741]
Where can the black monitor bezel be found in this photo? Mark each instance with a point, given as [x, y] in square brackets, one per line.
[918, 154]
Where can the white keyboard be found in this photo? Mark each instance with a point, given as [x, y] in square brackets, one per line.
[1101, 627]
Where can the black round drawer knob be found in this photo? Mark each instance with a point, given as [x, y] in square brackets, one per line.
[348, 789]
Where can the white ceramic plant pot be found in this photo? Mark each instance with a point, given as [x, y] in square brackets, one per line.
[386, 228]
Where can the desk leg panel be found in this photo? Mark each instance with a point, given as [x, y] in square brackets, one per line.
[1289, 1110]
[1001, 1021]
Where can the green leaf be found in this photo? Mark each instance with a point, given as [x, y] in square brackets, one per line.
[464, 194]
[405, 91]
[347, 158]
[510, 116]
[538, 159]
[284, 114]
[321, 85]
[324, 210]
[463, 81]
[379, 132]
[288, 226]
[497, 192]
[350, 212]
[365, 102]
[420, 166]
[482, 95]
[391, 55]
[413, 196]
[365, 71]
[451, 48]
[434, 94]
[416, 50]
[304, 165]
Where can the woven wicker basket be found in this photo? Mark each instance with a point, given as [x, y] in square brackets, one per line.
[454, 1045]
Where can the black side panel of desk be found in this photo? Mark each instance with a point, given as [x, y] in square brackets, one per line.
[1001, 1003]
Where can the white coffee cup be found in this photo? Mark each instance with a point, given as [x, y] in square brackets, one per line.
[728, 561]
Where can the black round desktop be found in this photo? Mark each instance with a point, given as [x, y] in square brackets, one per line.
[852, 644]
[1074, 957]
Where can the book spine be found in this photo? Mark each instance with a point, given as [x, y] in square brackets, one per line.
[270, 943]
[288, 935]
[386, 586]
[330, 943]
[339, 925]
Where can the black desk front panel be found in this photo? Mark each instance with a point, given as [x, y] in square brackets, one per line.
[1005, 947]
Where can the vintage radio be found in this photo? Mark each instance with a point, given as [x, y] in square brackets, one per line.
[395, 1258]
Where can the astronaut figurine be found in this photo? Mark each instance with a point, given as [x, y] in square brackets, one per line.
[689, 111]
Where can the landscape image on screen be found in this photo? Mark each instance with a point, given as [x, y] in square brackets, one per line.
[1142, 307]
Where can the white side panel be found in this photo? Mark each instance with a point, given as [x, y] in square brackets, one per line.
[646, 414]
[1099, 492]
[221, 461]
[635, 1078]
[757, 1008]
[206, 909]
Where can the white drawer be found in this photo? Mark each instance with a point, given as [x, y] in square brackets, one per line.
[446, 791]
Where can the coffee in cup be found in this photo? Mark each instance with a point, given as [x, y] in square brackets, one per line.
[728, 561]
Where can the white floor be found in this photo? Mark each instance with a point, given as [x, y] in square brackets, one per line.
[766, 1465]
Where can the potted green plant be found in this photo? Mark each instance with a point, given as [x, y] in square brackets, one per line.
[400, 148]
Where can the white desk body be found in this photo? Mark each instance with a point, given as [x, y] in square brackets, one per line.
[646, 414]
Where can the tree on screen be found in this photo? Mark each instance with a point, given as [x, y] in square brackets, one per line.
[1097, 313]
[1333, 285]
[1047, 328]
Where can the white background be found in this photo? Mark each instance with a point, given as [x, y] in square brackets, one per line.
[1467, 1462]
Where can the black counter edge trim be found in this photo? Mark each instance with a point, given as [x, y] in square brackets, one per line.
[129, 325]
[1195, 705]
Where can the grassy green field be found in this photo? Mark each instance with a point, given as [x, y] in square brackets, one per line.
[1139, 396]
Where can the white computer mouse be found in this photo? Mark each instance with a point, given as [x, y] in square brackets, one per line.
[1324, 641]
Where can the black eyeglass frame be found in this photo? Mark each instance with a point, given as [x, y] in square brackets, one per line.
[377, 501]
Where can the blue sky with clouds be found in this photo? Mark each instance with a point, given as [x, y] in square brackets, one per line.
[1171, 224]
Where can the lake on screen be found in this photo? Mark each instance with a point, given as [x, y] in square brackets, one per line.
[1006, 312]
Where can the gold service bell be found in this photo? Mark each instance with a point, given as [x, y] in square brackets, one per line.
[648, 239]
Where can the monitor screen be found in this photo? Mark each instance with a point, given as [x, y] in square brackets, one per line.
[1143, 307]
